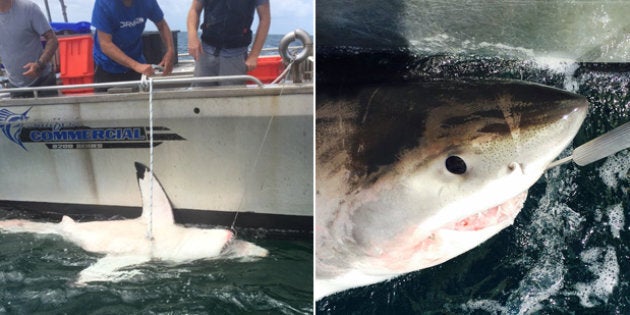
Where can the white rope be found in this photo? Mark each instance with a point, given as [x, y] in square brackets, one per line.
[150, 225]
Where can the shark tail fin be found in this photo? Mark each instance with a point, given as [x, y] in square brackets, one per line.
[25, 226]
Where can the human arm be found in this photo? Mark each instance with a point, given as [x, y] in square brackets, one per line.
[192, 25]
[112, 51]
[34, 69]
[167, 38]
[264, 17]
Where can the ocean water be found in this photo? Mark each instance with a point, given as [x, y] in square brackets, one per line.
[37, 274]
[273, 41]
[568, 251]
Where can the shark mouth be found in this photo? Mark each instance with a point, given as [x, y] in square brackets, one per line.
[497, 215]
[454, 238]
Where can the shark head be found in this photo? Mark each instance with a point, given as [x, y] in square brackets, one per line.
[412, 175]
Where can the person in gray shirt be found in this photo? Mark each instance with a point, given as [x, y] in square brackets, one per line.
[27, 63]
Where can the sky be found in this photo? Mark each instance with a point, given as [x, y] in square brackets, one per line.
[286, 15]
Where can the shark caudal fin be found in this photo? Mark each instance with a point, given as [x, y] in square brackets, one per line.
[25, 226]
[154, 199]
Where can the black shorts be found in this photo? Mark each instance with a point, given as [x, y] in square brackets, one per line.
[102, 76]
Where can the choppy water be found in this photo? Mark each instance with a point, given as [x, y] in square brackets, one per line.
[273, 41]
[568, 251]
[37, 273]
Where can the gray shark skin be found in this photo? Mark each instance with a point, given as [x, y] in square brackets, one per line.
[130, 242]
[410, 175]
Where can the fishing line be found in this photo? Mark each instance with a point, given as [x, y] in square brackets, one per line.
[284, 73]
[262, 144]
[253, 170]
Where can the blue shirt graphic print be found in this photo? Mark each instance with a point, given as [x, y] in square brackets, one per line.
[126, 25]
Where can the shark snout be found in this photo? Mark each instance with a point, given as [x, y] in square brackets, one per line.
[229, 236]
[551, 106]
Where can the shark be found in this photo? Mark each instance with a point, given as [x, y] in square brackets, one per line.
[412, 174]
[152, 236]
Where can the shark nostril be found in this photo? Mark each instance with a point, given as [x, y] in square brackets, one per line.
[514, 166]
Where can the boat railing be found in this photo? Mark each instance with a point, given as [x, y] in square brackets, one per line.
[264, 50]
[142, 85]
[298, 61]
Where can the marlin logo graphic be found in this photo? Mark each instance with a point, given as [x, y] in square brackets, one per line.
[11, 125]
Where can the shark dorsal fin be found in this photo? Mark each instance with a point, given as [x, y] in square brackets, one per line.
[162, 210]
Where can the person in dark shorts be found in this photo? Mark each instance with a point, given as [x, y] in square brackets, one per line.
[226, 36]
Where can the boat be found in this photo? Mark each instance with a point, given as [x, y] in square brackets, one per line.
[238, 155]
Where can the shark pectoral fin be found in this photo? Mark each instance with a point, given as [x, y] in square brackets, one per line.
[108, 269]
[156, 207]
[244, 250]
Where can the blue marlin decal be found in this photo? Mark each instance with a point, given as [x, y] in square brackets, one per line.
[11, 125]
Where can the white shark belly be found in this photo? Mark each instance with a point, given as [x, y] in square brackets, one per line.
[117, 237]
[180, 244]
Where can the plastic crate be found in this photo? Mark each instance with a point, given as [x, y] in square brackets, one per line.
[78, 80]
[76, 61]
[268, 68]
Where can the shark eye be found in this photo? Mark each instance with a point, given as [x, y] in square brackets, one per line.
[455, 165]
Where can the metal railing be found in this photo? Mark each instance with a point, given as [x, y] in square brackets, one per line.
[140, 84]
[182, 80]
[187, 55]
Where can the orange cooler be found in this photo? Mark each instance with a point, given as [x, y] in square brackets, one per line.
[268, 68]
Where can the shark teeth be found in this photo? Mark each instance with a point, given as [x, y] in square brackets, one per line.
[505, 212]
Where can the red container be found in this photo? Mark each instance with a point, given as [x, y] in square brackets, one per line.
[268, 68]
[76, 61]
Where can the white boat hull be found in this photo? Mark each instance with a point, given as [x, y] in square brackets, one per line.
[221, 150]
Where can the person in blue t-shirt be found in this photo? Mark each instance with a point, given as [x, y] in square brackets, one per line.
[118, 52]
[226, 36]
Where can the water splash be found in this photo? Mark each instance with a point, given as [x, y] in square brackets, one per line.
[615, 168]
[602, 263]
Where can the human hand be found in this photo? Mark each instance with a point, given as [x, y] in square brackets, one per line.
[145, 69]
[251, 62]
[32, 70]
[194, 47]
[167, 63]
